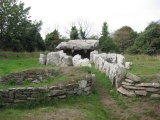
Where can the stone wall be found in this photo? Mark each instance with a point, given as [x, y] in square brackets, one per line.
[132, 86]
[113, 65]
[31, 76]
[23, 94]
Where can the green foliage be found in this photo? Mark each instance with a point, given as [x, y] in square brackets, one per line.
[12, 82]
[105, 41]
[17, 32]
[124, 37]
[52, 40]
[74, 33]
[105, 32]
[82, 33]
[149, 41]
[86, 69]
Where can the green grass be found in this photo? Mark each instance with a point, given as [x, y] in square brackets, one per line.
[90, 105]
[144, 64]
[14, 65]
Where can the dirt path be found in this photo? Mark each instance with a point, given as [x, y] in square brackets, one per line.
[109, 102]
[146, 110]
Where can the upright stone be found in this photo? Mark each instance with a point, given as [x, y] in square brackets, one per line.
[91, 55]
[53, 58]
[42, 59]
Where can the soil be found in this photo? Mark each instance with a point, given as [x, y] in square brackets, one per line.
[62, 114]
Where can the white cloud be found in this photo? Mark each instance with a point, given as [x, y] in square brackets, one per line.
[117, 13]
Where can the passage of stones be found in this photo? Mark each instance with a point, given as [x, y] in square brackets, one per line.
[83, 53]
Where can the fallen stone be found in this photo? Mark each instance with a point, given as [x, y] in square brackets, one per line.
[152, 89]
[133, 87]
[157, 85]
[133, 77]
[155, 96]
[141, 92]
[126, 92]
[128, 84]
[129, 81]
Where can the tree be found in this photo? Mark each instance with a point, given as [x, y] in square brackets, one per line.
[84, 28]
[105, 42]
[105, 32]
[148, 41]
[74, 33]
[52, 40]
[15, 27]
[124, 37]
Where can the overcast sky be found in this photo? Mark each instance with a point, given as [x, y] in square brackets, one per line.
[117, 13]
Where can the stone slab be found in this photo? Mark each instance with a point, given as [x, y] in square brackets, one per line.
[133, 77]
[157, 85]
[126, 92]
[141, 92]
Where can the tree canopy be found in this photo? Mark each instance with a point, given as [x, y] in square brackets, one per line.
[17, 31]
[105, 41]
[149, 41]
[52, 40]
[124, 37]
[74, 33]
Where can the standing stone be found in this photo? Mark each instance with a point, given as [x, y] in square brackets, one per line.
[77, 60]
[66, 61]
[85, 62]
[93, 82]
[95, 57]
[120, 59]
[119, 75]
[53, 58]
[42, 59]
[91, 55]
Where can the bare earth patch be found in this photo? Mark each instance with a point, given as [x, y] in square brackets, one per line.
[62, 114]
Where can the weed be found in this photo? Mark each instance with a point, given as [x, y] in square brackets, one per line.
[12, 82]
